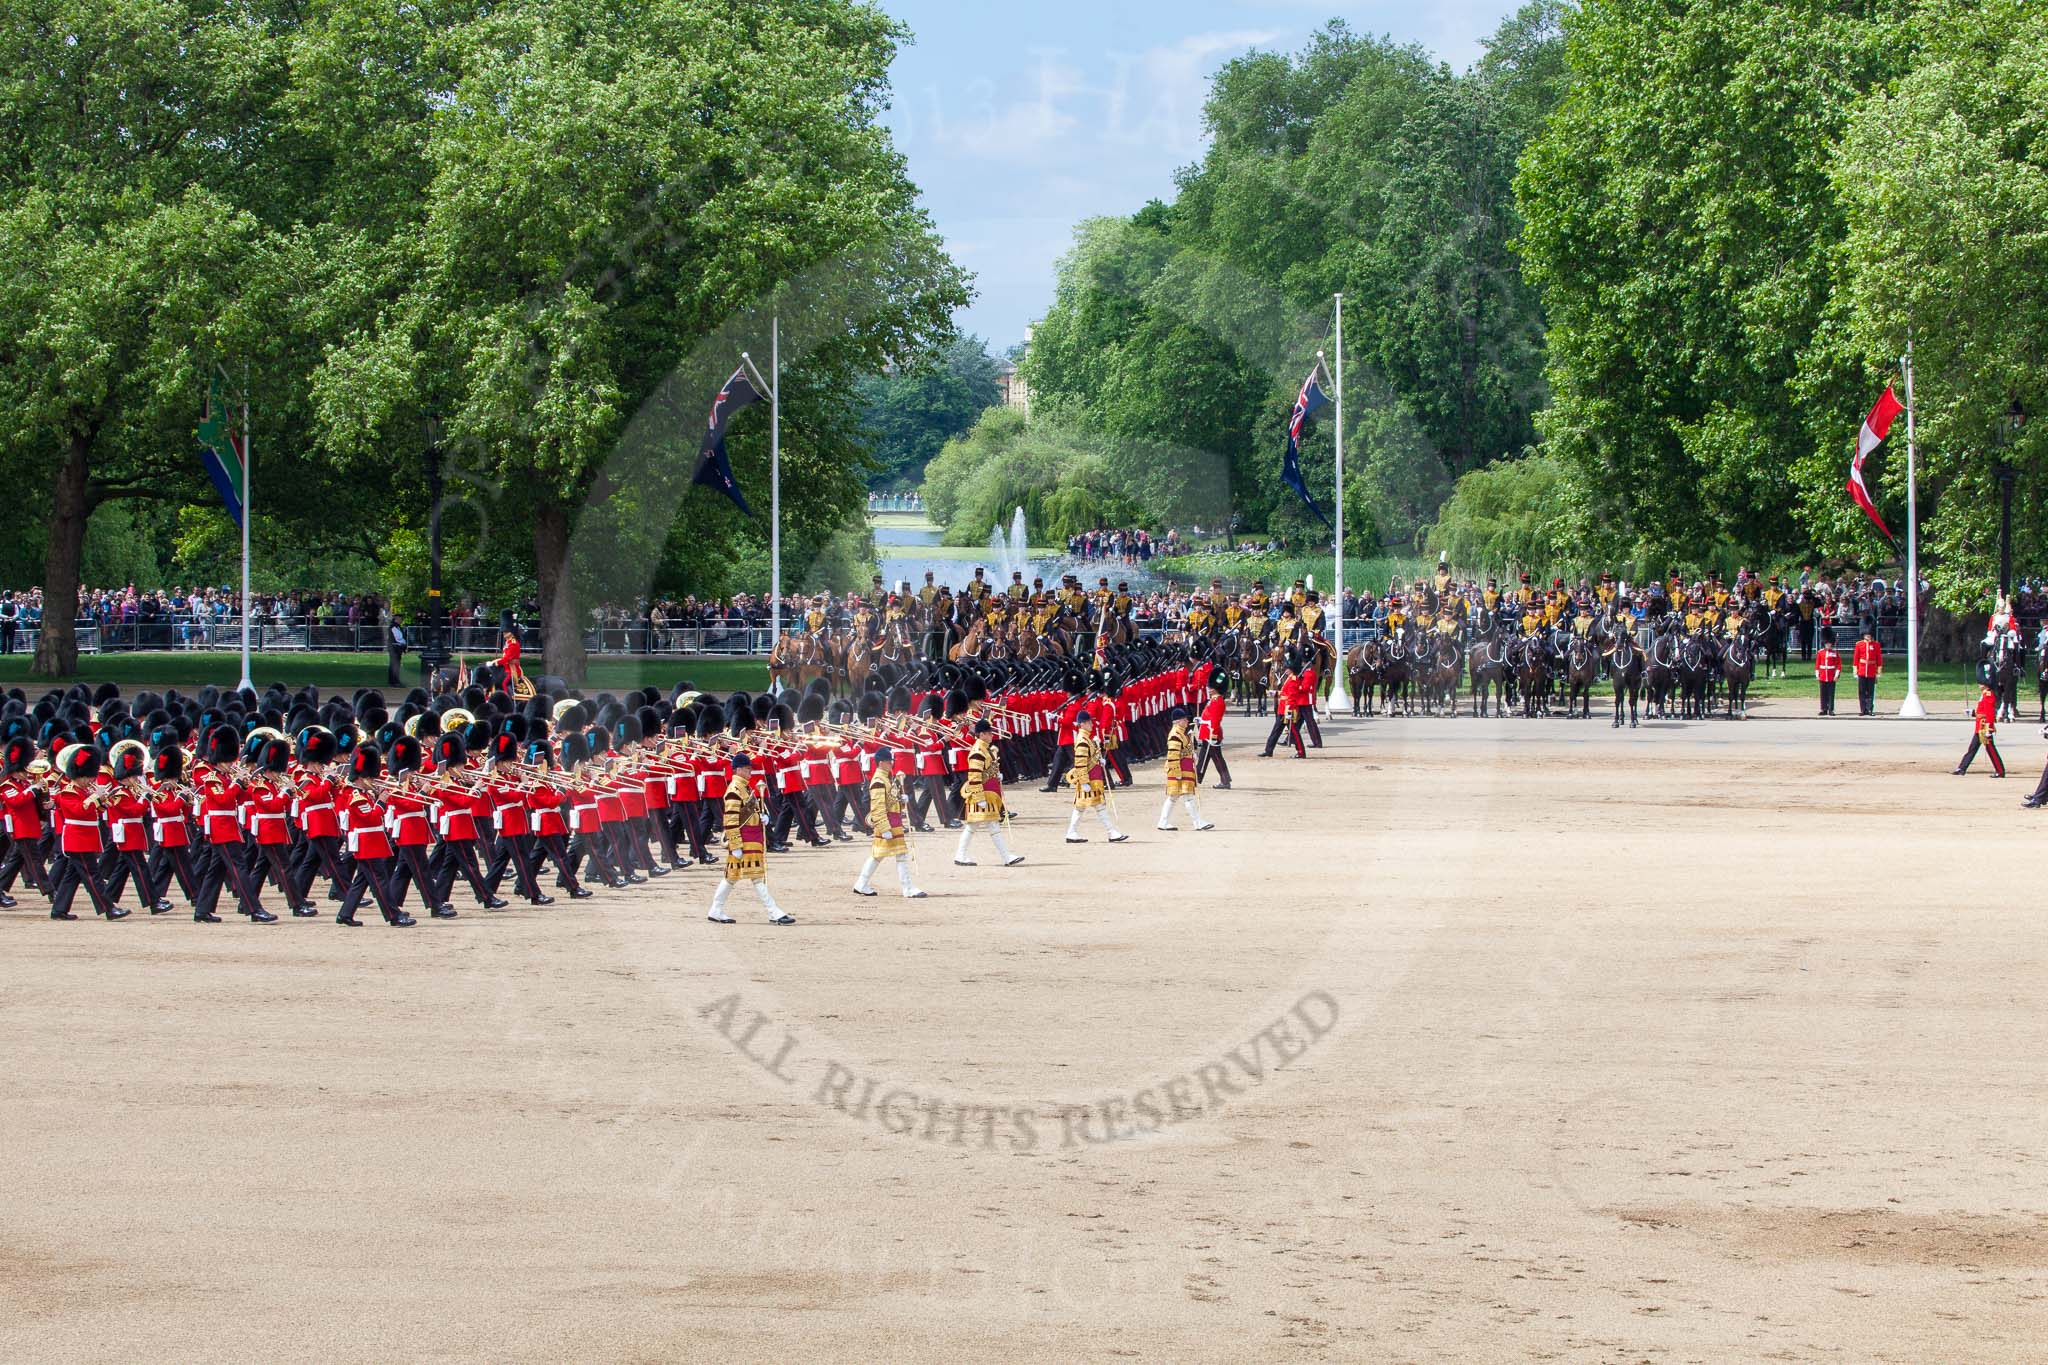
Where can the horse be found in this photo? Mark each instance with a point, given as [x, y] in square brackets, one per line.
[971, 644]
[1254, 674]
[2002, 672]
[1397, 669]
[1697, 663]
[782, 662]
[1532, 676]
[1581, 671]
[1362, 668]
[2041, 683]
[1486, 664]
[1625, 666]
[1778, 628]
[1660, 673]
[1442, 672]
[1738, 670]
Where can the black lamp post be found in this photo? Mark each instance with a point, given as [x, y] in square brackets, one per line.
[2008, 428]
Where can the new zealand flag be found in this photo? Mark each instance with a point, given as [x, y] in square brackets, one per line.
[714, 470]
[1311, 401]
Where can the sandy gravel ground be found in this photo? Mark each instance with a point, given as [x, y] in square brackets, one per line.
[1485, 1040]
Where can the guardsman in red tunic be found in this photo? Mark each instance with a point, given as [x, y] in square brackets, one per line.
[454, 805]
[407, 815]
[1063, 757]
[220, 817]
[362, 819]
[1868, 662]
[1287, 704]
[21, 808]
[270, 824]
[548, 804]
[78, 805]
[317, 810]
[1209, 733]
[1983, 736]
[585, 814]
[503, 801]
[127, 808]
[1827, 667]
[171, 822]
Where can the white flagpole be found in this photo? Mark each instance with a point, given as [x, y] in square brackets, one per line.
[1912, 708]
[1338, 699]
[775, 476]
[248, 489]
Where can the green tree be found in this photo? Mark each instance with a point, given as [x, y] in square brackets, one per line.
[913, 412]
[1679, 216]
[1943, 180]
[613, 207]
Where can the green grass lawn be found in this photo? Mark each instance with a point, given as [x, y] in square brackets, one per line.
[346, 672]
[1945, 688]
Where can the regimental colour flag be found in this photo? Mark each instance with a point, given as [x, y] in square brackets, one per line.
[714, 470]
[1876, 427]
[1307, 404]
[223, 451]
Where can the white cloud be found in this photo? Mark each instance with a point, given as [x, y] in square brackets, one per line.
[1157, 96]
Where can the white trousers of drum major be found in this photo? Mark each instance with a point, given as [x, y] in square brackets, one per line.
[867, 871]
[724, 893]
[965, 852]
[1101, 813]
[1194, 813]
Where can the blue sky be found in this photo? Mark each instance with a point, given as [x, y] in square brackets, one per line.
[1019, 120]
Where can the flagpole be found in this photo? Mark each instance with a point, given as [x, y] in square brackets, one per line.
[775, 477]
[1912, 708]
[248, 488]
[1339, 701]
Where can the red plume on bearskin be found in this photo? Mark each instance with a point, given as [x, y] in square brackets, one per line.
[18, 753]
[365, 764]
[406, 755]
[169, 763]
[80, 761]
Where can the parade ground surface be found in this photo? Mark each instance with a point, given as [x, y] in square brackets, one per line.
[1463, 1040]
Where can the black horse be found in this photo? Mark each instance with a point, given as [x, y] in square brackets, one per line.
[1626, 666]
[1581, 671]
[1738, 670]
[1487, 663]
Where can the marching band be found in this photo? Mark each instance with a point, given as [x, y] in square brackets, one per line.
[272, 800]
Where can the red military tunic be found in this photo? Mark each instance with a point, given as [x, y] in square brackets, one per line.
[363, 820]
[24, 811]
[127, 819]
[318, 817]
[1827, 664]
[78, 824]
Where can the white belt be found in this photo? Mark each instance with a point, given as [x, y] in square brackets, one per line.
[120, 825]
[321, 805]
[81, 824]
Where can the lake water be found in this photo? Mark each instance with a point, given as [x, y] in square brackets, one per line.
[901, 562]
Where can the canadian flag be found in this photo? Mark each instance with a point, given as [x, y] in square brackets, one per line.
[1876, 427]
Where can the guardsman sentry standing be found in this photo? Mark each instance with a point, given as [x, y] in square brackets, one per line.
[889, 839]
[1090, 781]
[746, 845]
[1827, 668]
[1180, 773]
[981, 799]
[1868, 661]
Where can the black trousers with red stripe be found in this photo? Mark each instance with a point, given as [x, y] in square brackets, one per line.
[1990, 747]
[120, 865]
[411, 870]
[173, 862]
[25, 859]
[72, 869]
[515, 851]
[225, 868]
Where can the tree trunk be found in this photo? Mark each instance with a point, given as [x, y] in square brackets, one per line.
[561, 625]
[57, 645]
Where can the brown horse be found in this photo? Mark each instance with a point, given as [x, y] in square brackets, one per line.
[971, 644]
[1364, 668]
